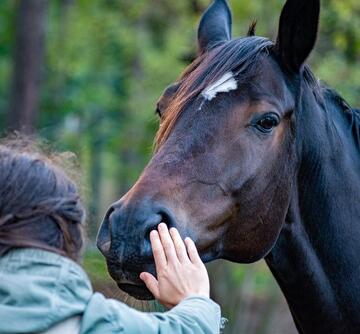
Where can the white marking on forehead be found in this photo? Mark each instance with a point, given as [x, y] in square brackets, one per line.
[225, 84]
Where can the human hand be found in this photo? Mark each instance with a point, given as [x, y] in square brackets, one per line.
[180, 271]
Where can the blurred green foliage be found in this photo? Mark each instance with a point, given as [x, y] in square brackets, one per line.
[95, 266]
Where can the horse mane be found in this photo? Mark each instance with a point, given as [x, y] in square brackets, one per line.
[252, 28]
[326, 96]
[352, 115]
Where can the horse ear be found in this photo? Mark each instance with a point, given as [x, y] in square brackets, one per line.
[215, 26]
[298, 29]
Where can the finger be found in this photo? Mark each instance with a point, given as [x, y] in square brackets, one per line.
[151, 283]
[192, 251]
[179, 245]
[158, 251]
[167, 243]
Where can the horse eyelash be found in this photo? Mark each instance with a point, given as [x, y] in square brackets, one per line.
[157, 110]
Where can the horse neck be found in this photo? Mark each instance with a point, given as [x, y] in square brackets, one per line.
[316, 259]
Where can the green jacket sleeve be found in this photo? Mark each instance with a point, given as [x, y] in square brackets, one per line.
[194, 315]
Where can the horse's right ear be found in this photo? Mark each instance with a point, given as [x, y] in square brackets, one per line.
[215, 26]
[298, 29]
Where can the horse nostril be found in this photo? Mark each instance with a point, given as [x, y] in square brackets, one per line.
[151, 224]
[167, 218]
[154, 220]
[104, 236]
[105, 247]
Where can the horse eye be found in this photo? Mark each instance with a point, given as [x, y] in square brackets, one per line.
[267, 123]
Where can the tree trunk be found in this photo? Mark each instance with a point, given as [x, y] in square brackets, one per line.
[28, 59]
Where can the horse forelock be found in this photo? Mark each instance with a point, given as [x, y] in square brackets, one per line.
[238, 57]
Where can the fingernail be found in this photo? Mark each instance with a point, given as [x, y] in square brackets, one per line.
[162, 226]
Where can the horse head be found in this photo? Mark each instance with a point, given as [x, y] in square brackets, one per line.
[225, 156]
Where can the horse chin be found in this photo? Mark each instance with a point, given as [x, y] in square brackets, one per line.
[129, 281]
[139, 292]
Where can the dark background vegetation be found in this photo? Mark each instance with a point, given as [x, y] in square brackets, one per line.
[86, 74]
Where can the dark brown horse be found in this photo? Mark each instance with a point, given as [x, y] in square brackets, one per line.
[254, 158]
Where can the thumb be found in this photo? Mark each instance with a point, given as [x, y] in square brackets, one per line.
[151, 283]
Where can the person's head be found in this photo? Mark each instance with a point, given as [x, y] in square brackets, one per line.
[40, 205]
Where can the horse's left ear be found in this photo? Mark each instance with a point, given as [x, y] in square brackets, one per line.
[215, 26]
[298, 29]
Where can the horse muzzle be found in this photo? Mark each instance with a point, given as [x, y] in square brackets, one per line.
[124, 240]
